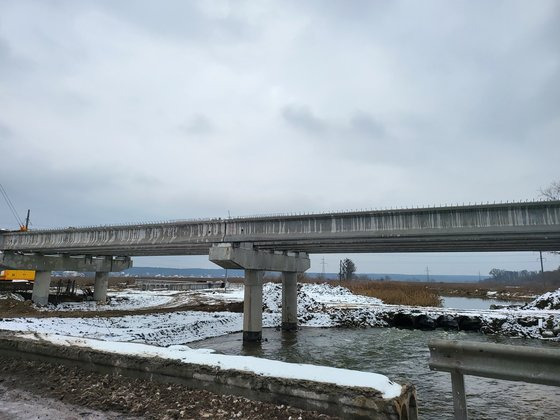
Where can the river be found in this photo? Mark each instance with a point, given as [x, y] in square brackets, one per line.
[474, 303]
[403, 355]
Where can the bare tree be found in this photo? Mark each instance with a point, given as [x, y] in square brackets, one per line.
[552, 192]
[347, 269]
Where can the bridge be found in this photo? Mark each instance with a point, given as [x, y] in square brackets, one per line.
[532, 226]
[282, 243]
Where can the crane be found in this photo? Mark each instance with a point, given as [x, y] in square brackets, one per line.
[23, 226]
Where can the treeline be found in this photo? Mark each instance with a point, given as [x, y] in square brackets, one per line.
[524, 277]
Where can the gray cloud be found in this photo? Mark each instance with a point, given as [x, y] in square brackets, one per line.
[367, 126]
[11, 65]
[185, 21]
[5, 132]
[301, 117]
[142, 111]
[198, 124]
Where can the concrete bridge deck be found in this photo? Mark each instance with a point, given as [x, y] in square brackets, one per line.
[530, 226]
[281, 243]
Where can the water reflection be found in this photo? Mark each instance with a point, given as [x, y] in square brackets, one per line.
[473, 303]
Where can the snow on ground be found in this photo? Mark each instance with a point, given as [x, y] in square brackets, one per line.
[185, 326]
[550, 300]
[233, 293]
[315, 297]
[162, 329]
[132, 299]
[13, 296]
[123, 300]
[319, 305]
[258, 366]
[336, 295]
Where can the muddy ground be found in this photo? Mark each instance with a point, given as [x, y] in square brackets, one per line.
[11, 308]
[66, 392]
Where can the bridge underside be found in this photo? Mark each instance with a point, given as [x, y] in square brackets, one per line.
[443, 243]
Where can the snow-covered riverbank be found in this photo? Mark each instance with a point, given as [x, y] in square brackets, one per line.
[319, 305]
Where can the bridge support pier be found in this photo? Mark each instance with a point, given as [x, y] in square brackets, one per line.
[44, 264]
[255, 262]
[40, 294]
[100, 286]
[289, 301]
[252, 305]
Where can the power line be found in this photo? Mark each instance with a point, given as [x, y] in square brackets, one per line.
[10, 205]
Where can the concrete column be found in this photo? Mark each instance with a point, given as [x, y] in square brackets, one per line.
[100, 287]
[289, 301]
[252, 306]
[40, 294]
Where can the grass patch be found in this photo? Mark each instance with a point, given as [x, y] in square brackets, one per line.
[395, 293]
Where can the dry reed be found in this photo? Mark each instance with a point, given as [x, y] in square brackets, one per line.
[395, 293]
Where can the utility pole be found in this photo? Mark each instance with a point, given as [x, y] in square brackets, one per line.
[542, 268]
[323, 263]
[427, 274]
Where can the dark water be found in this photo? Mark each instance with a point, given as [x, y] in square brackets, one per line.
[473, 303]
[403, 355]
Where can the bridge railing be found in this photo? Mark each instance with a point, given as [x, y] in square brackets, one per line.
[498, 361]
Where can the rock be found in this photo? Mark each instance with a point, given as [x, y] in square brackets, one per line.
[467, 323]
[424, 322]
[447, 322]
[528, 322]
[401, 320]
[548, 334]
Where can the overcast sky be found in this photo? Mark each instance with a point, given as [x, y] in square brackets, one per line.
[116, 111]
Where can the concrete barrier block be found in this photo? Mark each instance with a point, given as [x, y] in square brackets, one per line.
[342, 401]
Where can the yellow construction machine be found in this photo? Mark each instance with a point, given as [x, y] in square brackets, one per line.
[17, 275]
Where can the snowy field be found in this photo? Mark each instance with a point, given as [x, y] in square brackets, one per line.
[132, 299]
[319, 305]
[122, 300]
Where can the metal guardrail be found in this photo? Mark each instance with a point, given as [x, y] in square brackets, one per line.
[283, 215]
[498, 361]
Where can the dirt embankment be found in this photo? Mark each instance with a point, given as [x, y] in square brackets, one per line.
[138, 398]
[11, 308]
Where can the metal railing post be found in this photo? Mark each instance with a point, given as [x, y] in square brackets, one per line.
[498, 361]
[459, 397]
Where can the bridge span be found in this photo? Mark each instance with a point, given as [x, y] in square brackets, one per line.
[281, 243]
[531, 226]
